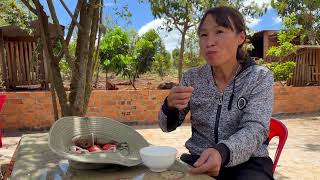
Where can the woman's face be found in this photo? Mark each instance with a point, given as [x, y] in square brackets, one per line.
[218, 45]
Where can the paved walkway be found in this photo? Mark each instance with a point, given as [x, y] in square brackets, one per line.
[300, 158]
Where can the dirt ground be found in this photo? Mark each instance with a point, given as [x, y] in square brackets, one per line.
[145, 81]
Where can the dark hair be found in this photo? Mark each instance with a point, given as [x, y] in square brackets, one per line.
[229, 18]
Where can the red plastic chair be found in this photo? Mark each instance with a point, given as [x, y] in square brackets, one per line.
[277, 128]
[2, 100]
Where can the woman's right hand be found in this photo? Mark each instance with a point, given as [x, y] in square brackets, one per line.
[179, 97]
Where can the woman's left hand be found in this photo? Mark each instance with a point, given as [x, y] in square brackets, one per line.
[209, 163]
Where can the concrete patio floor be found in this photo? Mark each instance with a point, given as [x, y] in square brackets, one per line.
[300, 158]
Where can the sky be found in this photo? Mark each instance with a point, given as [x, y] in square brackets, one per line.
[142, 19]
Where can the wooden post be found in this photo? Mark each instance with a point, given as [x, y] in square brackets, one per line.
[27, 64]
[3, 60]
[46, 75]
[17, 61]
[22, 62]
[265, 36]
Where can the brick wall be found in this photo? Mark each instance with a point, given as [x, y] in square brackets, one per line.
[140, 106]
[33, 110]
[296, 99]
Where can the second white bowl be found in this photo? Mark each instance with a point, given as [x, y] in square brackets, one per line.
[158, 158]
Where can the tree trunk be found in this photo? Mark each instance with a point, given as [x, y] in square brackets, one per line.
[97, 77]
[107, 80]
[183, 38]
[96, 64]
[312, 37]
[52, 90]
[54, 66]
[91, 60]
[79, 79]
[132, 83]
[82, 65]
[54, 102]
[4, 65]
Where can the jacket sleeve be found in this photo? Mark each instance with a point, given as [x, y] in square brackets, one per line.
[169, 120]
[254, 125]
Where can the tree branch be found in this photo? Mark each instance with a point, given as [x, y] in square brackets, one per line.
[174, 18]
[72, 25]
[175, 21]
[26, 3]
[91, 60]
[100, 23]
[177, 27]
[71, 28]
[60, 32]
[74, 19]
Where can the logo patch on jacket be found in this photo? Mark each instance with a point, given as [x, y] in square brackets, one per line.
[242, 103]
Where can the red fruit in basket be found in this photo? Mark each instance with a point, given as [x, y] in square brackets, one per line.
[94, 148]
[109, 147]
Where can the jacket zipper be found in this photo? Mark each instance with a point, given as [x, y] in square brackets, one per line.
[216, 125]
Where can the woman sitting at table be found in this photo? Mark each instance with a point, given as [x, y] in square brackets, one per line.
[230, 100]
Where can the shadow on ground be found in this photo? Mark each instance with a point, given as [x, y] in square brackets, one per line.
[280, 176]
[312, 147]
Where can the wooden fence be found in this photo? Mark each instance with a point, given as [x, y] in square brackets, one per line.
[23, 64]
[22, 61]
[307, 70]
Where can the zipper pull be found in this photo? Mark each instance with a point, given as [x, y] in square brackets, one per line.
[220, 99]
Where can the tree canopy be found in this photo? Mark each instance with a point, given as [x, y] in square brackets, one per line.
[185, 14]
[307, 13]
[129, 57]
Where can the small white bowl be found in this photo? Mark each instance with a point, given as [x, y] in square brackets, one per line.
[158, 158]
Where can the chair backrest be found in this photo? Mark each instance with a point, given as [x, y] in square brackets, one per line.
[277, 128]
[2, 100]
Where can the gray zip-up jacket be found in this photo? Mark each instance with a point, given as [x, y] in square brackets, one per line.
[235, 122]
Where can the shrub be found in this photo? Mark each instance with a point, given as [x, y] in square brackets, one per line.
[282, 71]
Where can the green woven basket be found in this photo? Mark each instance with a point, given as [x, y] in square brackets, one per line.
[66, 129]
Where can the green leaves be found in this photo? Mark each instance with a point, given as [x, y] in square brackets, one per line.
[145, 50]
[63, 64]
[123, 13]
[162, 63]
[285, 37]
[282, 71]
[177, 13]
[13, 13]
[129, 57]
[183, 15]
[307, 15]
[115, 42]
